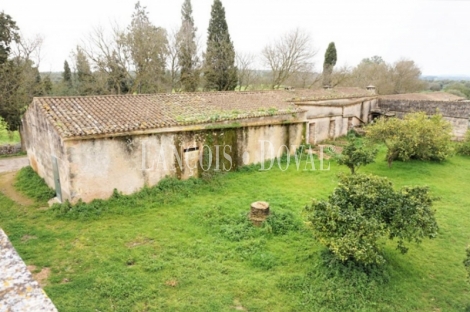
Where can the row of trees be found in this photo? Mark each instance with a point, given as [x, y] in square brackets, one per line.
[19, 75]
[145, 58]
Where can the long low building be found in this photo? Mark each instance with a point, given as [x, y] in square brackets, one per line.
[85, 147]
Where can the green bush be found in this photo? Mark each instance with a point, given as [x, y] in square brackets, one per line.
[32, 185]
[355, 154]
[417, 136]
[464, 147]
[466, 262]
[363, 209]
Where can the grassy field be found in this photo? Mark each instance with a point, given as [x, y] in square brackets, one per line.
[186, 246]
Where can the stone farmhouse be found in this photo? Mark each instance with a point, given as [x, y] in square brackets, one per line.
[85, 147]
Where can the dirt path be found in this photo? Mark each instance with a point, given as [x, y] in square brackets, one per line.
[6, 187]
[8, 169]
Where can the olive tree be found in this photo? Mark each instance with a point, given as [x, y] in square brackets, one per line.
[363, 210]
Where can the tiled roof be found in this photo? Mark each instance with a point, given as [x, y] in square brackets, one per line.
[118, 114]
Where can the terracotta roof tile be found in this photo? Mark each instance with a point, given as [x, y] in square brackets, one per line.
[112, 114]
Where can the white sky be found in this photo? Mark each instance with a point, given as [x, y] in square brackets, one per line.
[433, 33]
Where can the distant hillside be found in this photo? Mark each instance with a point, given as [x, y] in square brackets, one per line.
[440, 78]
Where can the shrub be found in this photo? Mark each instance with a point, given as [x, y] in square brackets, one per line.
[464, 147]
[355, 154]
[365, 208]
[417, 136]
[32, 185]
[466, 262]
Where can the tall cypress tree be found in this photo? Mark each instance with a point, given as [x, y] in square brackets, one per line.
[67, 75]
[220, 71]
[329, 63]
[187, 49]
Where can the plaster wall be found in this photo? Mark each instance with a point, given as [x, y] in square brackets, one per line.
[259, 144]
[42, 143]
[332, 119]
[98, 166]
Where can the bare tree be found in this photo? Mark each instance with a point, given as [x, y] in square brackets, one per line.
[292, 53]
[401, 77]
[406, 77]
[110, 57]
[340, 76]
[246, 73]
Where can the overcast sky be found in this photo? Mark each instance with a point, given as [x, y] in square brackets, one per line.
[433, 33]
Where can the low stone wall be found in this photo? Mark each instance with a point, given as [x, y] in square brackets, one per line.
[9, 149]
[446, 108]
[18, 289]
[457, 113]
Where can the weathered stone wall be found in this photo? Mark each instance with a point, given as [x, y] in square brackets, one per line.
[9, 149]
[42, 143]
[457, 113]
[128, 163]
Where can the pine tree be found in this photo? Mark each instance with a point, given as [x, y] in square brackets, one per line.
[220, 72]
[67, 75]
[329, 63]
[187, 49]
[85, 77]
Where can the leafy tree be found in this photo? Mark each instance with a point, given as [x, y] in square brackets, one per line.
[220, 72]
[291, 54]
[363, 210]
[67, 75]
[85, 78]
[9, 33]
[148, 47]
[19, 77]
[355, 154]
[188, 59]
[329, 63]
[417, 136]
[47, 85]
[458, 88]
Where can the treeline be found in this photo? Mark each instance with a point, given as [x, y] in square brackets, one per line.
[146, 58]
[459, 88]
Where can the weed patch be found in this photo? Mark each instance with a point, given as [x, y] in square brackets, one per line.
[32, 185]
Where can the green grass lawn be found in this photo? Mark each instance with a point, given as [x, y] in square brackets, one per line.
[9, 137]
[188, 247]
